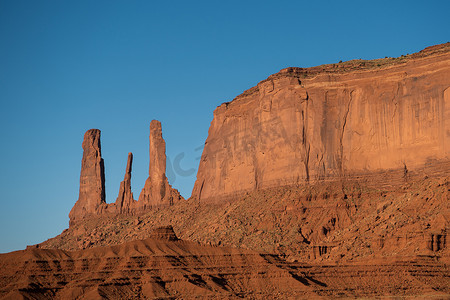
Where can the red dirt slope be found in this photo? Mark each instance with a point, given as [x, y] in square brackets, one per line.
[160, 267]
[163, 267]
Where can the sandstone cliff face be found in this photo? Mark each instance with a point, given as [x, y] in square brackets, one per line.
[157, 190]
[303, 125]
[91, 199]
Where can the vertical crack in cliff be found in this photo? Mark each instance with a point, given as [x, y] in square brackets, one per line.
[256, 169]
[306, 146]
[341, 160]
[321, 167]
[394, 98]
[200, 191]
[256, 177]
[102, 172]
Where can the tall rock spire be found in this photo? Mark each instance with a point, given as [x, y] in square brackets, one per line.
[125, 202]
[91, 199]
[157, 190]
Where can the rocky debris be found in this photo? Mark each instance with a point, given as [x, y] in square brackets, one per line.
[417, 278]
[91, 199]
[157, 191]
[324, 221]
[294, 127]
[125, 202]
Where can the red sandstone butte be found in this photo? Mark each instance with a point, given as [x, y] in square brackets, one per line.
[330, 122]
[369, 140]
[91, 199]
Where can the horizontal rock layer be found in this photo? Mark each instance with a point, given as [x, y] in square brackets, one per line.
[150, 268]
[155, 268]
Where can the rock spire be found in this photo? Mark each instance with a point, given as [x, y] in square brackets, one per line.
[91, 199]
[125, 202]
[157, 190]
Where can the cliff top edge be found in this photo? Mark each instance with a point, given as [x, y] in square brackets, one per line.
[349, 66]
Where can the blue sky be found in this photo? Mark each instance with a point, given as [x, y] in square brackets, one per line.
[68, 66]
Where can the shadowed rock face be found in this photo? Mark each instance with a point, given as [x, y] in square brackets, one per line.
[91, 199]
[302, 125]
[157, 190]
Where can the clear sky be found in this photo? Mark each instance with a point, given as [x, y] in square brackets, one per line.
[68, 66]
